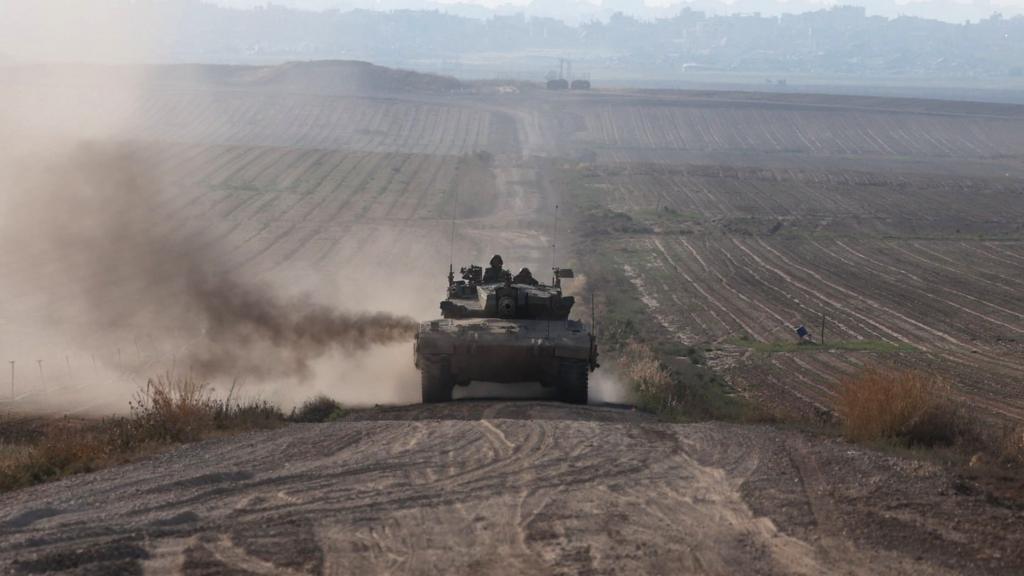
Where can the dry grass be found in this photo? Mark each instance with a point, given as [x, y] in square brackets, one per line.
[907, 406]
[674, 387]
[173, 410]
[168, 411]
[318, 409]
[1009, 447]
[651, 381]
[63, 447]
[182, 409]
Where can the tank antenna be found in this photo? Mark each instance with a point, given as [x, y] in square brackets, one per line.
[451, 253]
[554, 250]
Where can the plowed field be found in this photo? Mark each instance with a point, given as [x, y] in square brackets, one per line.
[909, 268]
[732, 219]
[899, 221]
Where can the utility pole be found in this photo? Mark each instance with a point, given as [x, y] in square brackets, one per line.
[12, 380]
[554, 251]
[42, 380]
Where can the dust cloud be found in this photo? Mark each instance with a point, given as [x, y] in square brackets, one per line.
[606, 387]
[95, 239]
[106, 281]
[96, 31]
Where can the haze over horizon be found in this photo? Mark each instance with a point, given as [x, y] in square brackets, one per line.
[616, 42]
[575, 11]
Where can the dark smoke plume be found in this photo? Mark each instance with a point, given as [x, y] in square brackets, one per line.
[243, 319]
[113, 247]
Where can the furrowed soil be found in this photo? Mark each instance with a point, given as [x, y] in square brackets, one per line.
[718, 222]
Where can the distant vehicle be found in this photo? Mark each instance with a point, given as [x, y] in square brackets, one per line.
[558, 84]
[497, 327]
[581, 84]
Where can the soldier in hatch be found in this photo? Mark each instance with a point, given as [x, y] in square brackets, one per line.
[496, 272]
[525, 277]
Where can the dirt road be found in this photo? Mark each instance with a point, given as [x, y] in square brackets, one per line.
[508, 488]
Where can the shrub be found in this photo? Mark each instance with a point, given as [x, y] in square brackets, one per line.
[1010, 446]
[907, 406]
[696, 355]
[173, 409]
[65, 447]
[182, 409]
[484, 157]
[317, 409]
[168, 410]
[677, 390]
[651, 381]
[248, 414]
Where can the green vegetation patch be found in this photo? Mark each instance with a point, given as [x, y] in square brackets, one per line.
[318, 409]
[880, 346]
[678, 389]
[588, 205]
[601, 220]
[664, 376]
[668, 215]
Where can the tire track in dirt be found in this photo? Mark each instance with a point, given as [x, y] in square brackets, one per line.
[458, 489]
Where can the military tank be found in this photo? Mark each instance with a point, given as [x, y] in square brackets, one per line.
[497, 327]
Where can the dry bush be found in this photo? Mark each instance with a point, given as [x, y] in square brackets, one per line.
[68, 449]
[317, 409]
[651, 380]
[13, 458]
[677, 390]
[909, 406]
[183, 409]
[247, 415]
[1010, 447]
[65, 448]
[168, 410]
[173, 409]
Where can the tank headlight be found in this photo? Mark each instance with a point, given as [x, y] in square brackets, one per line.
[506, 306]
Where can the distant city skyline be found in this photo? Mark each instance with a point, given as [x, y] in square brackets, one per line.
[471, 41]
[582, 10]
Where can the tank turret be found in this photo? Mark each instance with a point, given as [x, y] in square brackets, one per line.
[496, 293]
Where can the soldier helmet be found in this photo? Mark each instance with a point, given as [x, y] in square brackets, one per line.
[497, 262]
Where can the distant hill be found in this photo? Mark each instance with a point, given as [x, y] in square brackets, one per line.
[328, 76]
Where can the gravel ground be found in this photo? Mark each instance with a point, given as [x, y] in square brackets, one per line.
[511, 488]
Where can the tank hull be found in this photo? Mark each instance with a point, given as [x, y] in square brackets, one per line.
[507, 351]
